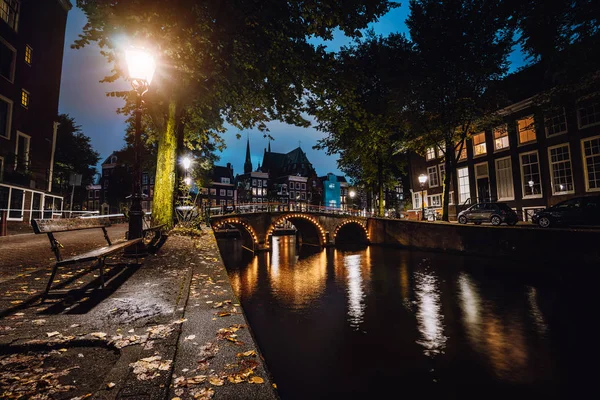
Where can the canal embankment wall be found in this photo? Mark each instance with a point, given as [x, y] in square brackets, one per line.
[571, 245]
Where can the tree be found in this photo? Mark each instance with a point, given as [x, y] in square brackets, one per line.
[360, 103]
[462, 48]
[242, 63]
[74, 155]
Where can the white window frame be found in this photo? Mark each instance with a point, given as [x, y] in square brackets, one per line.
[15, 17]
[585, 169]
[519, 131]
[523, 183]
[13, 66]
[441, 167]
[482, 176]
[6, 134]
[437, 178]
[213, 191]
[512, 180]
[554, 115]
[28, 158]
[459, 185]
[504, 128]
[222, 192]
[560, 193]
[481, 144]
[229, 193]
[594, 104]
[417, 194]
[430, 201]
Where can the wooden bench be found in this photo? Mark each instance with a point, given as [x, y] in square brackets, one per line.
[51, 226]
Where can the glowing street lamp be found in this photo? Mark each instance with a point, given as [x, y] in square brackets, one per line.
[186, 162]
[352, 194]
[141, 67]
[422, 180]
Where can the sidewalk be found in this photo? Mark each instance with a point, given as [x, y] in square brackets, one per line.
[171, 328]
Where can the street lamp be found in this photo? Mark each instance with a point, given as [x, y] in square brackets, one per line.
[141, 66]
[422, 180]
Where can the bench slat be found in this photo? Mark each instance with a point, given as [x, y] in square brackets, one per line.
[68, 224]
[94, 254]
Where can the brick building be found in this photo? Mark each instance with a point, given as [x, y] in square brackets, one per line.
[32, 36]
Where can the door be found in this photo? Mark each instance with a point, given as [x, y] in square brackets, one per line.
[474, 213]
[483, 189]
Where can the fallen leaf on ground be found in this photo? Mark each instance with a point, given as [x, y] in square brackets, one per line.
[191, 337]
[100, 335]
[249, 353]
[111, 385]
[215, 380]
[51, 334]
[256, 379]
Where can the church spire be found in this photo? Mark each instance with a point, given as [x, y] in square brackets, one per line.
[248, 163]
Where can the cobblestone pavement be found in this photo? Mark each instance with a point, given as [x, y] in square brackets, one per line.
[28, 252]
[170, 328]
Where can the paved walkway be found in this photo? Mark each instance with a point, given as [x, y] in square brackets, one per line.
[169, 329]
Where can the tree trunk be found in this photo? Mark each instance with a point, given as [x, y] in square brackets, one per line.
[166, 163]
[381, 210]
[447, 182]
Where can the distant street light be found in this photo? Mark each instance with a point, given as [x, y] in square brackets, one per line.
[531, 183]
[352, 194]
[422, 180]
[141, 67]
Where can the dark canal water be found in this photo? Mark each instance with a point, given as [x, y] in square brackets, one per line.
[383, 323]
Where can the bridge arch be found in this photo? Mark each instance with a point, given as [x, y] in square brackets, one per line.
[351, 228]
[307, 225]
[238, 222]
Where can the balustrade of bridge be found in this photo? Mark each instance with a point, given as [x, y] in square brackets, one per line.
[249, 208]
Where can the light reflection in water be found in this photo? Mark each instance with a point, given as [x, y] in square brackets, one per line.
[296, 282]
[538, 317]
[500, 341]
[355, 290]
[429, 316]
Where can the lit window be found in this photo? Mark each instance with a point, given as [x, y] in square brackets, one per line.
[430, 153]
[463, 151]
[464, 191]
[504, 179]
[526, 128]
[28, 54]
[555, 122]
[560, 168]
[530, 174]
[213, 191]
[591, 158]
[433, 176]
[588, 115]
[416, 200]
[479, 148]
[9, 12]
[24, 98]
[501, 137]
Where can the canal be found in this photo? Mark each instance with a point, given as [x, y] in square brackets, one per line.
[377, 322]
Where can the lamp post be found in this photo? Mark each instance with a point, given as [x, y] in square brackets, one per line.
[422, 180]
[141, 70]
[352, 193]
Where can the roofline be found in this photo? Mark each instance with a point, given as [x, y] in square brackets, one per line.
[518, 106]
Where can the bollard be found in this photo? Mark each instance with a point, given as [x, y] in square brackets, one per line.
[3, 222]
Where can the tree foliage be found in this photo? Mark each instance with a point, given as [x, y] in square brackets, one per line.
[242, 62]
[461, 49]
[359, 103]
[74, 154]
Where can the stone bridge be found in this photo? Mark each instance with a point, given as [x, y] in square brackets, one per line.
[313, 229]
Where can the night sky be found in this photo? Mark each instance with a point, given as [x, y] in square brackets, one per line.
[83, 97]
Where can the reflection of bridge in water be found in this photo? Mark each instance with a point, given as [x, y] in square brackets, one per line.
[313, 228]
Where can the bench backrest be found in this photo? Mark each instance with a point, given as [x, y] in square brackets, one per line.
[68, 224]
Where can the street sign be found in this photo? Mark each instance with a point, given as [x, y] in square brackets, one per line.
[75, 179]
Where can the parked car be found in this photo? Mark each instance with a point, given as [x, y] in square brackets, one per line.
[572, 212]
[496, 213]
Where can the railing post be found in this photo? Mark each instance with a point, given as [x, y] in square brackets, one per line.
[3, 222]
